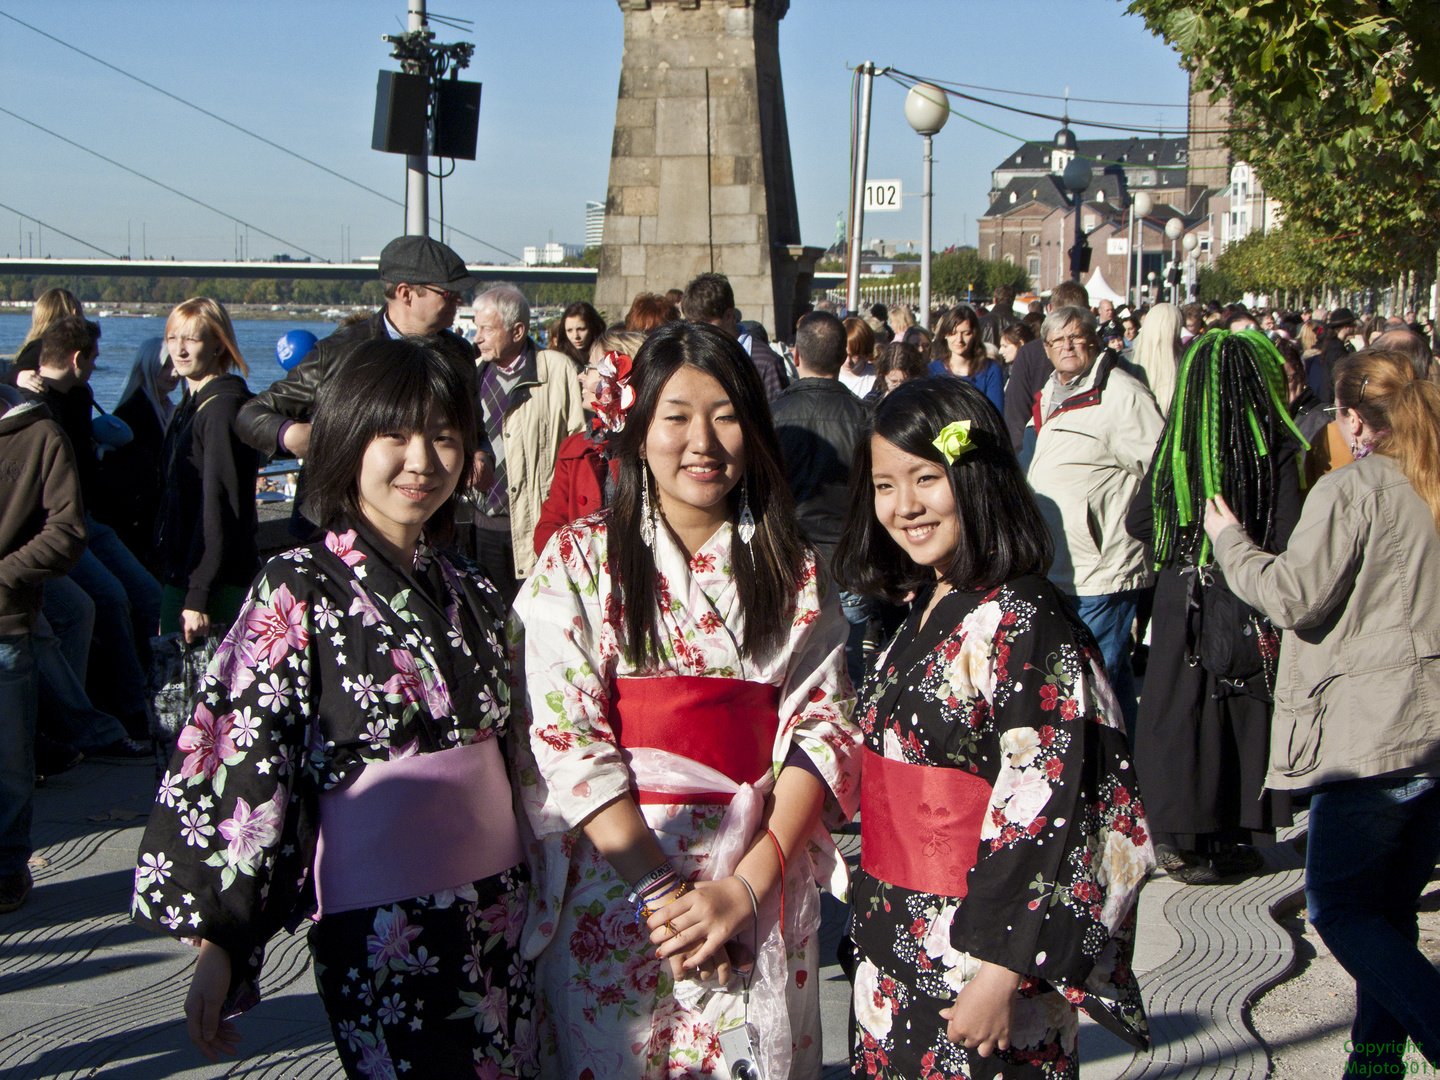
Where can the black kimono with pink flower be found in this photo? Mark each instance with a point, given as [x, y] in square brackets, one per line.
[1008, 686]
[340, 658]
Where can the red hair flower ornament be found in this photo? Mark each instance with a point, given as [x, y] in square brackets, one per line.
[613, 396]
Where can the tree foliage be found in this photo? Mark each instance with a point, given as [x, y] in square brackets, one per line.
[1336, 104]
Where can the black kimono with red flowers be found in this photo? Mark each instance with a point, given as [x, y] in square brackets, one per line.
[1009, 686]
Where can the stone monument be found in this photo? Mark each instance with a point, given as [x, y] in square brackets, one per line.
[700, 176]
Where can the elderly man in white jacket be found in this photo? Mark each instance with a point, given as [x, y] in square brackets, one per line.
[1096, 431]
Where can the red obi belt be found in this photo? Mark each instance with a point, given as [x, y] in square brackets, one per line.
[727, 724]
[919, 824]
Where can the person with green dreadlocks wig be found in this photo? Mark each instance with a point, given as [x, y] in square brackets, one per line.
[1202, 735]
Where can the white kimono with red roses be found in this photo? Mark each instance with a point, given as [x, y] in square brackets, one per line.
[613, 1003]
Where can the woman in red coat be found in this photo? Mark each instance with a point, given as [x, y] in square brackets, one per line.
[578, 489]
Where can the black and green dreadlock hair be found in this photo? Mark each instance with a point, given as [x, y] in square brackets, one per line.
[1226, 419]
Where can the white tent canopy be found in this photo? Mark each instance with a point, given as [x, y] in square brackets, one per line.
[1099, 289]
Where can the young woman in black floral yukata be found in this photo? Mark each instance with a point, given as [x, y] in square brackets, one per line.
[343, 761]
[1003, 839]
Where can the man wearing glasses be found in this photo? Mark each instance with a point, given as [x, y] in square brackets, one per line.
[424, 282]
[1096, 431]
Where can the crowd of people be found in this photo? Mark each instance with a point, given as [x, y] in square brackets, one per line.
[594, 634]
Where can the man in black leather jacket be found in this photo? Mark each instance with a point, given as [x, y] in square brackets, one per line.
[424, 281]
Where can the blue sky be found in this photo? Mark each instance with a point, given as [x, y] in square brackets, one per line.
[302, 73]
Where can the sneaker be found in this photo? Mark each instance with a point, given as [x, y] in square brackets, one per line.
[1236, 859]
[125, 751]
[1199, 874]
[1170, 858]
[53, 758]
[14, 888]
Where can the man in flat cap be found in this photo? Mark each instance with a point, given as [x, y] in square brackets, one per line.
[424, 283]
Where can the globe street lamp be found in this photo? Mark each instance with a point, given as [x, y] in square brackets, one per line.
[1142, 204]
[1173, 228]
[926, 108]
[1189, 242]
[1076, 179]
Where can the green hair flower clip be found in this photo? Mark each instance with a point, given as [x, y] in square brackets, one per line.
[954, 441]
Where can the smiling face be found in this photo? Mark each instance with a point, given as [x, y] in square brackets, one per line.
[959, 338]
[694, 448]
[915, 503]
[406, 476]
[194, 348]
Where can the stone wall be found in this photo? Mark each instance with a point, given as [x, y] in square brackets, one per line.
[700, 176]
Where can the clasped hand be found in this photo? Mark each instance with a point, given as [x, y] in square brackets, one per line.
[981, 1015]
[691, 932]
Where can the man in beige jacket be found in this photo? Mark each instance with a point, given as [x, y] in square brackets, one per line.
[530, 399]
[1096, 430]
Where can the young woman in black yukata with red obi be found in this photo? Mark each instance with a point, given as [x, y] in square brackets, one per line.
[1003, 839]
[344, 762]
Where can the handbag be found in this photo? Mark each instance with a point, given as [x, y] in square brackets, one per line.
[1236, 642]
[175, 673]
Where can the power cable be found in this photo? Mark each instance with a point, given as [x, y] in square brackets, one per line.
[239, 128]
[159, 184]
[62, 232]
[1132, 128]
[1053, 97]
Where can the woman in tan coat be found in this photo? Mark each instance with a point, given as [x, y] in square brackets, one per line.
[1357, 694]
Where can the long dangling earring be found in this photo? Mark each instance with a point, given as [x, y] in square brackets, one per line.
[647, 513]
[746, 528]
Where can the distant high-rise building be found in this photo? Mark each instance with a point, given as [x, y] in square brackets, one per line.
[551, 254]
[594, 223]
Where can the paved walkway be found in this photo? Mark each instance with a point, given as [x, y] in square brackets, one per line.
[83, 993]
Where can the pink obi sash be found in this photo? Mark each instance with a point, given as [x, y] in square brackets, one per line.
[415, 826]
[728, 725]
[919, 824]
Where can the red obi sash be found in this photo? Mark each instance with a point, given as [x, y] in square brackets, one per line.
[727, 724]
[920, 825]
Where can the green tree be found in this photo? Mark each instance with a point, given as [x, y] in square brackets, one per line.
[1336, 104]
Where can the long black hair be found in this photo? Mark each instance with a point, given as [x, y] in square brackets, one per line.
[1002, 535]
[384, 385]
[768, 569]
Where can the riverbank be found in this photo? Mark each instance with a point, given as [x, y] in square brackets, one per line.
[254, 312]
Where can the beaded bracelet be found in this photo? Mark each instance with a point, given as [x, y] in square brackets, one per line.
[643, 910]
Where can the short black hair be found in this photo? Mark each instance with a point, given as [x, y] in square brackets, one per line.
[386, 384]
[707, 298]
[65, 337]
[1002, 534]
[820, 343]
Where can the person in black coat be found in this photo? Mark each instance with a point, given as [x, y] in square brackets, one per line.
[133, 476]
[207, 526]
[1202, 738]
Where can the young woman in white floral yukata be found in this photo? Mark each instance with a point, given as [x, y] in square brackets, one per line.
[1003, 841]
[689, 711]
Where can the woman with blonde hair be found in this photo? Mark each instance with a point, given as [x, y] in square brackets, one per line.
[206, 529]
[53, 304]
[1355, 718]
[1158, 351]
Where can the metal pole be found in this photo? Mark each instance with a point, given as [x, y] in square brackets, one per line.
[857, 206]
[925, 242]
[417, 166]
[1075, 251]
[1139, 258]
[1130, 256]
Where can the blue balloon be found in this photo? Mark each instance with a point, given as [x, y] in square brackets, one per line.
[291, 348]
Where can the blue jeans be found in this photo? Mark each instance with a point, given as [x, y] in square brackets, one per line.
[71, 615]
[19, 696]
[63, 695]
[857, 613]
[127, 613]
[1373, 845]
[1110, 618]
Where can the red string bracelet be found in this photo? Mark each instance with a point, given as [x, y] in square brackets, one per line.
[779, 854]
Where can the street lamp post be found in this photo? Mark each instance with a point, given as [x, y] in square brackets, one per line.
[1189, 242]
[1173, 228]
[1142, 204]
[1076, 179]
[926, 108]
[1150, 289]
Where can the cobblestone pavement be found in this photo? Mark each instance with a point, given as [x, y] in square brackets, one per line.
[83, 993]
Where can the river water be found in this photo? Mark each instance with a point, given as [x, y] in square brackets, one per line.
[119, 338]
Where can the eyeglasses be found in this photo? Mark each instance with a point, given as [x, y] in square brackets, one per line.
[450, 296]
[1075, 341]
